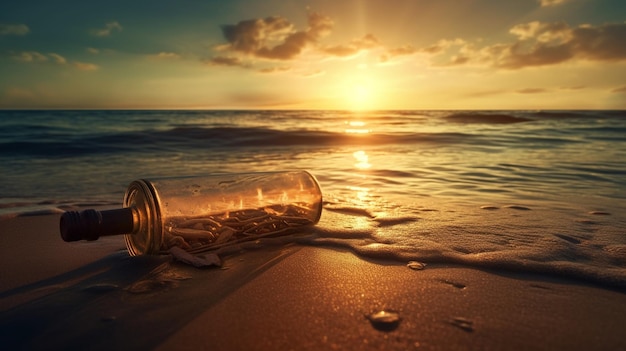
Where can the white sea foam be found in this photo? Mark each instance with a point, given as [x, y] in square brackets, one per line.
[575, 242]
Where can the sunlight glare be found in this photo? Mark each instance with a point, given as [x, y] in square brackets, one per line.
[360, 94]
[362, 160]
[360, 97]
[356, 127]
[362, 193]
[356, 124]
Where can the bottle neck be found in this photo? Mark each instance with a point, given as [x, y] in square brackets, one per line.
[92, 224]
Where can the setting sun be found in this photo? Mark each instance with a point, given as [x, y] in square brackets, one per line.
[361, 95]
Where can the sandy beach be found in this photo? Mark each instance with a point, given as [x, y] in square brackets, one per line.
[92, 295]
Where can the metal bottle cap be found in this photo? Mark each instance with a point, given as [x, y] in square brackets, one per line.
[92, 224]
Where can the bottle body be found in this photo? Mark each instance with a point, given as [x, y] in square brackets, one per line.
[201, 213]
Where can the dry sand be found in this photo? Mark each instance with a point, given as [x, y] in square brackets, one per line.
[55, 295]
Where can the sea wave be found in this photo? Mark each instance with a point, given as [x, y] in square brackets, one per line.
[195, 137]
[78, 133]
[490, 118]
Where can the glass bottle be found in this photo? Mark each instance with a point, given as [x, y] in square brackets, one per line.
[202, 212]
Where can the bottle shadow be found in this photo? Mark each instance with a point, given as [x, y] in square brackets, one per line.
[122, 302]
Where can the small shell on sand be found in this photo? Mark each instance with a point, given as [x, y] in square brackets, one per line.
[518, 207]
[599, 213]
[416, 266]
[463, 323]
[384, 320]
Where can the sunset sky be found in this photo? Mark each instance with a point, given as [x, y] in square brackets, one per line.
[316, 54]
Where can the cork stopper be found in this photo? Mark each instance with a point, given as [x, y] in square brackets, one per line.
[92, 224]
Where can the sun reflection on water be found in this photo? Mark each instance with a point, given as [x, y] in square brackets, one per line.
[362, 194]
[356, 124]
[362, 160]
[356, 127]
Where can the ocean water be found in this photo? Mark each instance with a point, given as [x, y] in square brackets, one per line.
[529, 191]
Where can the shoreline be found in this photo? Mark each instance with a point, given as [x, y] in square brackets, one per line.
[92, 295]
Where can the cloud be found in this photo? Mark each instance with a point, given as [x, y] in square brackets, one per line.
[35, 57]
[557, 42]
[274, 38]
[275, 69]
[542, 44]
[313, 74]
[456, 52]
[575, 87]
[108, 29]
[30, 56]
[459, 59]
[251, 35]
[93, 51]
[262, 99]
[354, 47]
[402, 51]
[621, 89]
[319, 25]
[277, 39]
[289, 49]
[534, 44]
[531, 91]
[14, 29]
[542, 32]
[165, 55]
[84, 66]
[483, 93]
[58, 58]
[547, 3]
[405, 50]
[226, 61]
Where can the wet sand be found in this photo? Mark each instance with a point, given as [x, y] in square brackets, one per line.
[91, 295]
